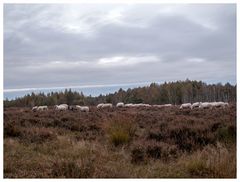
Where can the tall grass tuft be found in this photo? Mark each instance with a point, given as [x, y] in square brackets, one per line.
[120, 131]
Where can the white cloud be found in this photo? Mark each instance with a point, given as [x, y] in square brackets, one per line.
[196, 60]
[126, 61]
[81, 43]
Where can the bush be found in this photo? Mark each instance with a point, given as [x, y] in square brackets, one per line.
[197, 167]
[161, 150]
[137, 155]
[73, 169]
[226, 134]
[154, 151]
[11, 129]
[120, 132]
[119, 137]
[155, 134]
[37, 135]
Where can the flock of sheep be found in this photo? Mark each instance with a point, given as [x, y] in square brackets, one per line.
[203, 105]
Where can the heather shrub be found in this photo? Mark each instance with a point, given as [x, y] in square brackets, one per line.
[226, 134]
[197, 167]
[37, 135]
[137, 155]
[160, 150]
[11, 129]
[72, 169]
[156, 135]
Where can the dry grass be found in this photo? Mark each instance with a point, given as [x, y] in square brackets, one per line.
[127, 143]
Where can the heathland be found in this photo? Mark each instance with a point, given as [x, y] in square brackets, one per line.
[120, 142]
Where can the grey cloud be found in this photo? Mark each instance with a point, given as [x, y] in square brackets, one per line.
[37, 35]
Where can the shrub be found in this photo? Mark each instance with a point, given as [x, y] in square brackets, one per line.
[11, 129]
[120, 132]
[154, 151]
[73, 169]
[37, 135]
[226, 134]
[161, 150]
[183, 138]
[155, 134]
[198, 167]
[137, 155]
[119, 137]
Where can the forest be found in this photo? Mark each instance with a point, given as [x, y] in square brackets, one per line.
[169, 92]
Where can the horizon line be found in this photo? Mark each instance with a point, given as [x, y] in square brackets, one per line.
[76, 86]
[91, 86]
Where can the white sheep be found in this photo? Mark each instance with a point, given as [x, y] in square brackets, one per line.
[167, 105]
[219, 104]
[65, 105]
[120, 104]
[186, 105]
[204, 105]
[85, 108]
[147, 105]
[194, 105]
[226, 104]
[138, 105]
[42, 108]
[158, 106]
[129, 105]
[35, 108]
[107, 105]
[82, 108]
[163, 105]
[141, 105]
[100, 105]
[61, 107]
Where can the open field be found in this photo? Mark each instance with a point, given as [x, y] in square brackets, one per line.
[120, 142]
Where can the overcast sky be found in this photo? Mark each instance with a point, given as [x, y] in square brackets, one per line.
[96, 44]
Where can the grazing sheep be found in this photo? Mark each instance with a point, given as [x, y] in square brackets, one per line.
[107, 105]
[205, 105]
[158, 106]
[129, 105]
[84, 108]
[219, 104]
[138, 105]
[61, 107]
[120, 104]
[78, 107]
[167, 105]
[72, 108]
[34, 108]
[163, 105]
[186, 105]
[141, 105]
[99, 105]
[42, 108]
[146, 105]
[226, 104]
[65, 105]
[195, 105]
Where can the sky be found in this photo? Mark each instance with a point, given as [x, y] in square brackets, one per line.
[64, 45]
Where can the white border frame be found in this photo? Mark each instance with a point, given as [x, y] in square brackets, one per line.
[116, 2]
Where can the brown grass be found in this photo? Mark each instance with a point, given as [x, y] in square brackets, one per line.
[133, 143]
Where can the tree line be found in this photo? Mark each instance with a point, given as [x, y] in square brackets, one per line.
[169, 92]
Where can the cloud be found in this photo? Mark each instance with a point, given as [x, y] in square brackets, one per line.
[126, 61]
[48, 45]
[196, 60]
